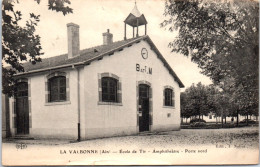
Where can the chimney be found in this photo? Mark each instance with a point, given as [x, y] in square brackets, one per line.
[73, 40]
[107, 38]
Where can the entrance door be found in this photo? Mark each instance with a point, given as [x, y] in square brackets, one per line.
[144, 110]
[22, 109]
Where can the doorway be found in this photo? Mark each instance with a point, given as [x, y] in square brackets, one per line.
[144, 108]
[22, 109]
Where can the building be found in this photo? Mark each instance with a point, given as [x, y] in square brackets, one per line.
[118, 88]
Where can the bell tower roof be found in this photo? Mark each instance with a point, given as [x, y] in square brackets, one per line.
[135, 18]
[136, 12]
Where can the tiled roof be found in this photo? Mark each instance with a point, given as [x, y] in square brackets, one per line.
[85, 55]
[88, 55]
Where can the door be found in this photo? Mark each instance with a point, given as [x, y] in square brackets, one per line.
[22, 109]
[144, 107]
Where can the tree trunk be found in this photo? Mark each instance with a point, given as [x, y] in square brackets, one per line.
[225, 120]
[222, 119]
[247, 118]
[237, 117]
[216, 119]
[202, 116]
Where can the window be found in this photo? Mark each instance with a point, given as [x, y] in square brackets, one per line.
[22, 89]
[109, 89]
[57, 88]
[168, 97]
[143, 91]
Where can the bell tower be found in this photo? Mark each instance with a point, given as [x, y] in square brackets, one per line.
[135, 19]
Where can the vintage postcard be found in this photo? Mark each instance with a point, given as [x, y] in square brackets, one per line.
[130, 82]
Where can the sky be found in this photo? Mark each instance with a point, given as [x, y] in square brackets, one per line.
[96, 16]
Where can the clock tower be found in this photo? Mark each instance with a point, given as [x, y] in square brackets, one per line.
[135, 19]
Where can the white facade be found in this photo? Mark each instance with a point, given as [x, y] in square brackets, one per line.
[99, 119]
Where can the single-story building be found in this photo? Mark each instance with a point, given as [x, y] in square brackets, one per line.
[117, 88]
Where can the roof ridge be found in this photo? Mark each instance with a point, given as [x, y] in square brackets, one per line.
[107, 52]
[93, 47]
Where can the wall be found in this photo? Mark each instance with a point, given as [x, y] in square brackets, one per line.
[111, 120]
[51, 120]
[54, 119]
[5, 116]
[159, 78]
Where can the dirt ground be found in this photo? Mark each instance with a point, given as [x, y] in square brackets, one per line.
[187, 146]
[246, 137]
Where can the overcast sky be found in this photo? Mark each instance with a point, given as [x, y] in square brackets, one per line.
[96, 16]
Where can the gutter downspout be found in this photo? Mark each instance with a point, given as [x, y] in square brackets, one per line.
[78, 92]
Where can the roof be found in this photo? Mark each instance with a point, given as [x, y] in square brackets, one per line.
[88, 55]
[136, 12]
[84, 55]
[135, 18]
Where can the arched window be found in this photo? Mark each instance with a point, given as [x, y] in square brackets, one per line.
[168, 97]
[57, 88]
[109, 89]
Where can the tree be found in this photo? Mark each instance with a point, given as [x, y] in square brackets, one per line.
[212, 93]
[194, 101]
[20, 43]
[186, 110]
[199, 100]
[222, 38]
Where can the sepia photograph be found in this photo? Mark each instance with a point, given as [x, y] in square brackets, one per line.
[130, 82]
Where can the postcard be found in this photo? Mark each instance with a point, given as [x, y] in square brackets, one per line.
[106, 82]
